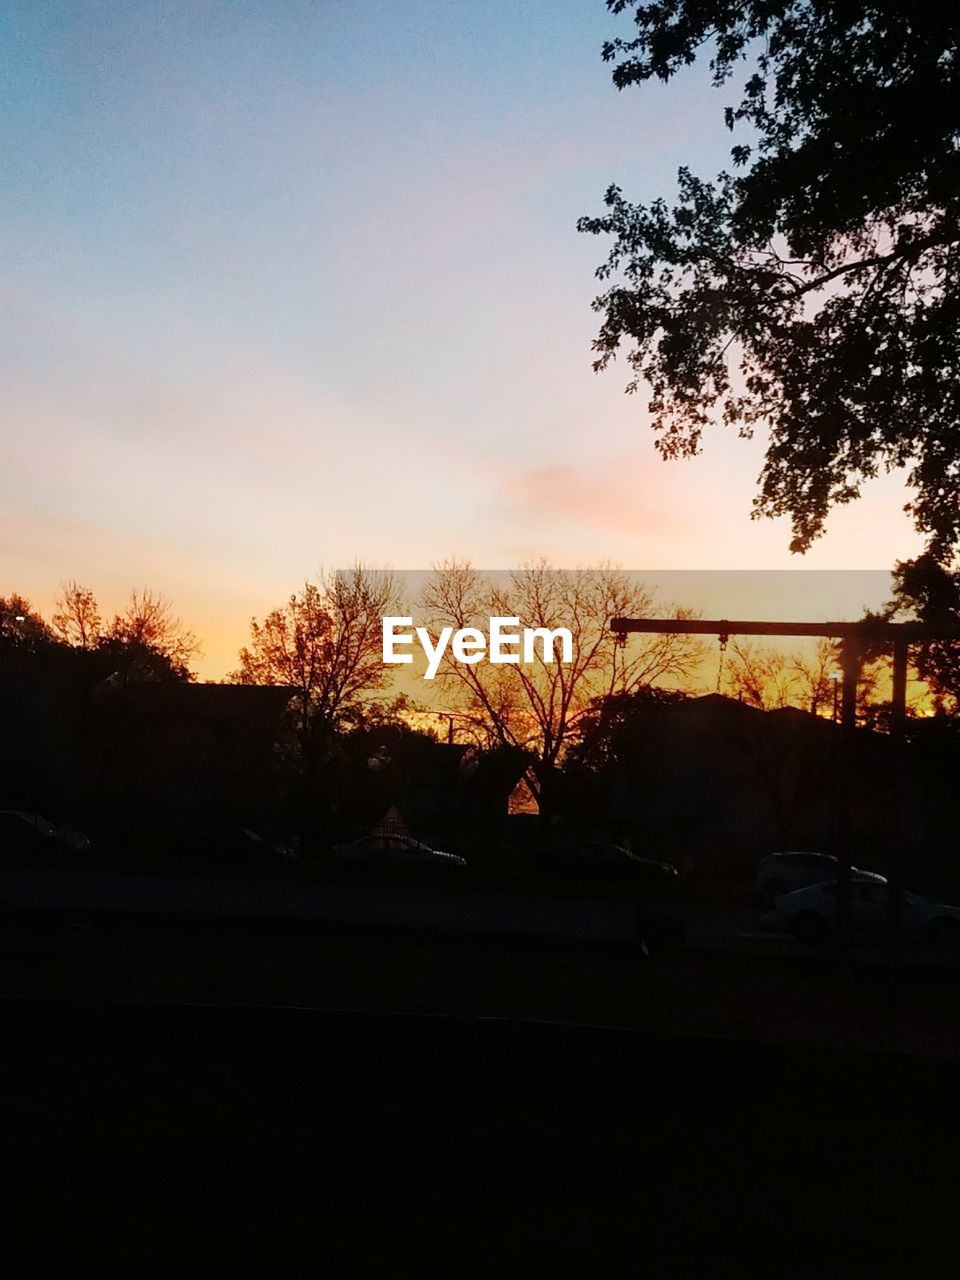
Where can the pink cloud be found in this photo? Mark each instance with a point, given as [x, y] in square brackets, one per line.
[615, 499]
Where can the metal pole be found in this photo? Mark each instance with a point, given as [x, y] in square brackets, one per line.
[835, 773]
[898, 709]
[852, 657]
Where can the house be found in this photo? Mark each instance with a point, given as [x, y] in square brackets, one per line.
[717, 779]
[186, 749]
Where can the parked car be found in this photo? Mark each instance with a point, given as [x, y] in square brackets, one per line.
[74, 838]
[605, 861]
[395, 851]
[29, 836]
[785, 872]
[588, 867]
[220, 847]
[810, 913]
[231, 838]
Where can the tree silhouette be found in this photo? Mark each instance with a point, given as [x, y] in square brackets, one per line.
[23, 633]
[76, 617]
[611, 726]
[144, 642]
[928, 591]
[762, 676]
[326, 644]
[147, 641]
[814, 293]
[770, 678]
[818, 675]
[534, 706]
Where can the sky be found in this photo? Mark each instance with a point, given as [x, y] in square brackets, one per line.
[288, 285]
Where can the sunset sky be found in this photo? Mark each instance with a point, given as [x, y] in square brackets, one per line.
[290, 284]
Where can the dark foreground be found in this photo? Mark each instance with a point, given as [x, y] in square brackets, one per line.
[176, 1139]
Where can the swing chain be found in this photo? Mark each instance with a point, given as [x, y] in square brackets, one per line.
[724, 641]
[620, 644]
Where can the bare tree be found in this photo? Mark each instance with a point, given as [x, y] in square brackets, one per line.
[762, 676]
[326, 643]
[769, 678]
[535, 705]
[149, 624]
[817, 675]
[76, 617]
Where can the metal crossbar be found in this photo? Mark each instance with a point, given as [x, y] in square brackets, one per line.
[872, 629]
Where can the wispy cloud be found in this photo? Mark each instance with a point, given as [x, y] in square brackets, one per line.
[616, 497]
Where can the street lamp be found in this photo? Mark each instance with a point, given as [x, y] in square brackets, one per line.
[6, 618]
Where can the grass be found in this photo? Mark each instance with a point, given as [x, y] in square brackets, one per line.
[230, 962]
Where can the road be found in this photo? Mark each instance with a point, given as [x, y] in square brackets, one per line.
[737, 929]
[342, 903]
[720, 928]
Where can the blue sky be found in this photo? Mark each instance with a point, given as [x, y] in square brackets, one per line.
[286, 284]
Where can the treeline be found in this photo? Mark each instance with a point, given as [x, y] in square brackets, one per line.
[144, 642]
[309, 729]
[322, 651]
[324, 643]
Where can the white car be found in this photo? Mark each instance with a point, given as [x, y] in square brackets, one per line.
[810, 914]
[785, 872]
[397, 851]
